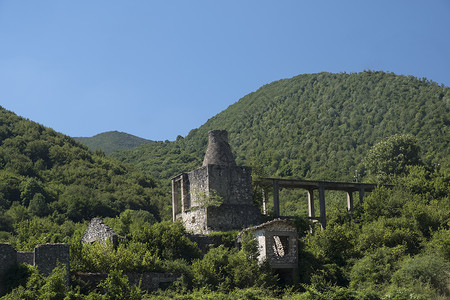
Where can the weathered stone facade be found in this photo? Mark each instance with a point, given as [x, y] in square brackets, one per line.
[216, 196]
[97, 231]
[277, 243]
[45, 257]
[8, 257]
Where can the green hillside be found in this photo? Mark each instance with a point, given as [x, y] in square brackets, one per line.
[47, 174]
[394, 245]
[112, 141]
[314, 126]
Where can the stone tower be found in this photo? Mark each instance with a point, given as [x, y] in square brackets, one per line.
[216, 196]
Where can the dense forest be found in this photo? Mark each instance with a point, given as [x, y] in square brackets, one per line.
[395, 245]
[316, 126]
[112, 141]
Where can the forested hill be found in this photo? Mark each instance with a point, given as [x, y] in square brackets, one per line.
[45, 173]
[314, 126]
[112, 141]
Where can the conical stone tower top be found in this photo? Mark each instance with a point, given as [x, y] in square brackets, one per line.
[218, 151]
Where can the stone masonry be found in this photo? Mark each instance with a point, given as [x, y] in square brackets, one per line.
[97, 231]
[8, 257]
[216, 196]
[45, 258]
[277, 243]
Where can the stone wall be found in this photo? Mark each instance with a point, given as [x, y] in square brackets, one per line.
[233, 184]
[25, 258]
[47, 256]
[277, 243]
[97, 231]
[232, 217]
[195, 220]
[8, 258]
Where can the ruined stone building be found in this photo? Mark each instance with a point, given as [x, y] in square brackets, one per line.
[97, 231]
[45, 257]
[216, 196]
[277, 243]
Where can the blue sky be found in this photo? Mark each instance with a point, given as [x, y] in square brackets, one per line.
[158, 69]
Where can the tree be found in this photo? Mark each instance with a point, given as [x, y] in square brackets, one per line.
[391, 156]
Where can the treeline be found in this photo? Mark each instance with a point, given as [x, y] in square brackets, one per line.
[112, 141]
[395, 245]
[44, 174]
[316, 126]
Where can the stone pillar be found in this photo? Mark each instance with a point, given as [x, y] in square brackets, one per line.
[47, 256]
[8, 257]
[349, 200]
[185, 205]
[174, 200]
[276, 199]
[323, 219]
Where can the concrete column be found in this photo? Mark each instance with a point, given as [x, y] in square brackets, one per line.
[264, 202]
[323, 219]
[311, 212]
[276, 199]
[361, 194]
[174, 200]
[349, 200]
[184, 193]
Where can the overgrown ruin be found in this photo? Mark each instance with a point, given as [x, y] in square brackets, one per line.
[216, 196]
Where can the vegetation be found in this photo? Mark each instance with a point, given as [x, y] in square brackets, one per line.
[318, 126]
[112, 141]
[395, 245]
[48, 180]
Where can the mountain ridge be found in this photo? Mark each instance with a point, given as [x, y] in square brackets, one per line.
[111, 141]
[301, 126]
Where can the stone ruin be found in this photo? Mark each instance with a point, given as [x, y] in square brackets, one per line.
[228, 188]
[45, 257]
[216, 196]
[277, 243]
[97, 231]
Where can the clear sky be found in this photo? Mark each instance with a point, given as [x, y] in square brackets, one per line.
[158, 69]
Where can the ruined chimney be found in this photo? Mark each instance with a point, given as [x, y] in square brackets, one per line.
[218, 151]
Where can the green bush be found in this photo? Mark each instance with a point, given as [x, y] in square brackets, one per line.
[424, 270]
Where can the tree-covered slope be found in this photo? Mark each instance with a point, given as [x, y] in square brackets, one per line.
[314, 126]
[44, 173]
[112, 141]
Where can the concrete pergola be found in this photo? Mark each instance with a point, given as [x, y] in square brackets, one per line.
[321, 186]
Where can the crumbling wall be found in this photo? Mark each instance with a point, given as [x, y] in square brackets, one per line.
[277, 242]
[8, 257]
[195, 220]
[25, 258]
[232, 217]
[97, 231]
[47, 256]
